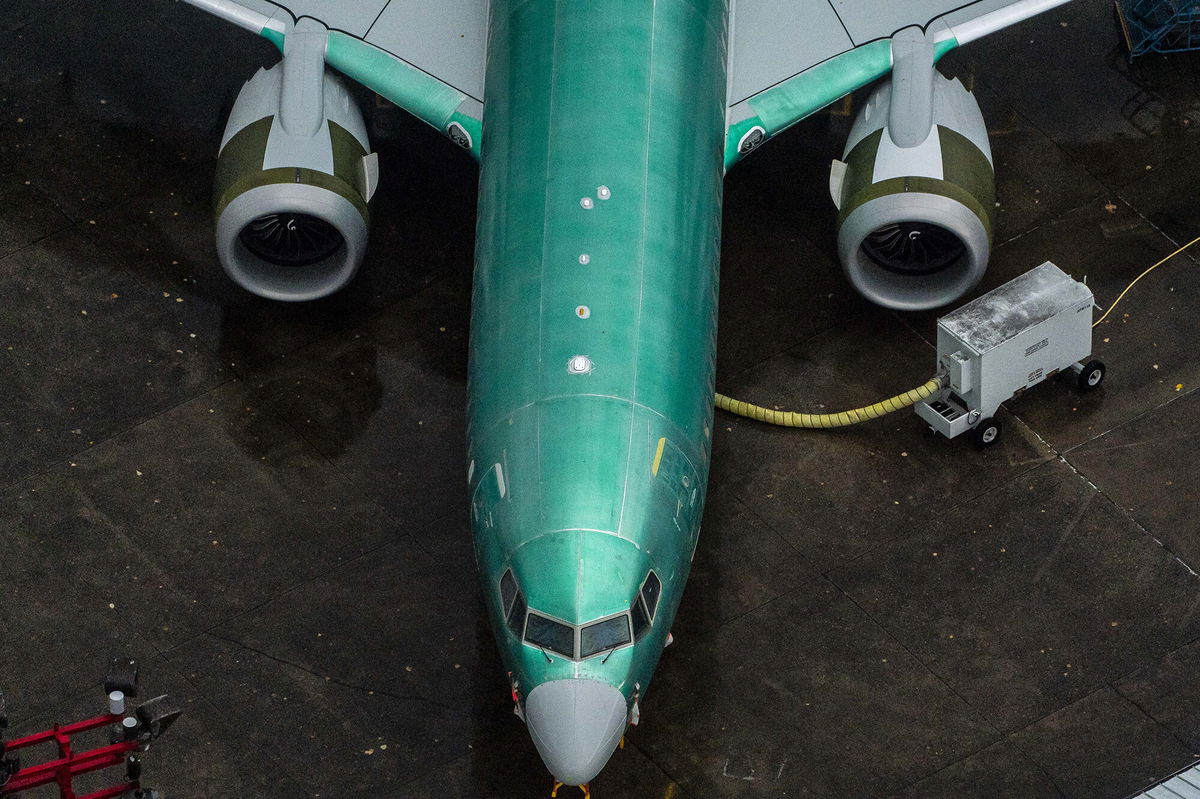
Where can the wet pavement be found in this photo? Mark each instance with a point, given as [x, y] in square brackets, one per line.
[264, 503]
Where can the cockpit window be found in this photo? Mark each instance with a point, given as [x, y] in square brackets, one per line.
[508, 591]
[550, 634]
[641, 621]
[516, 616]
[603, 635]
[651, 590]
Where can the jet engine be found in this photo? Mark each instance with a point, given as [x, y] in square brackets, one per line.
[294, 178]
[916, 193]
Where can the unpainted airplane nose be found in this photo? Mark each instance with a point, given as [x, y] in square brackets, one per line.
[575, 725]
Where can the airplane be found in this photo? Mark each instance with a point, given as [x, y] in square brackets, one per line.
[603, 131]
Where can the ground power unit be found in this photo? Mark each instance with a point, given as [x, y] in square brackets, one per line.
[997, 346]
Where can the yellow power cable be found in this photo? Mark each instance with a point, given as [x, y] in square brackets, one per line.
[827, 420]
[1121, 296]
[890, 405]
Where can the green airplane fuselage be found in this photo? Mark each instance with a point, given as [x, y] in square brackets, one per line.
[594, 313]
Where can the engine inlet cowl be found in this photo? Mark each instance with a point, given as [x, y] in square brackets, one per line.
[292, 206]
[915, 222]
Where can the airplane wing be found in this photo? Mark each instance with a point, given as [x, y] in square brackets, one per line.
[427, 58]
[790, 58]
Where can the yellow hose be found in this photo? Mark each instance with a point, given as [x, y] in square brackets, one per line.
[826, 420]
[892, 404]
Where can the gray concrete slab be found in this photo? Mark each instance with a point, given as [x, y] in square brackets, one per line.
[1125, 750]
[1030, 597]
[1148, 112]
[343, 553]
[806, 694]
[840, 494]
[1168, 692]
[1001, 771]
[1148, 467]
[198, 515]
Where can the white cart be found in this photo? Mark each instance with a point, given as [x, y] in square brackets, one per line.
[995, 347]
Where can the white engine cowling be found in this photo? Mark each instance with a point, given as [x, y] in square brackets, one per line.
[916, 195]
[294, 179]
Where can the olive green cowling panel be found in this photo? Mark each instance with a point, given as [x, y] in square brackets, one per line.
[240, 167]
[967, 177]
[594, 311]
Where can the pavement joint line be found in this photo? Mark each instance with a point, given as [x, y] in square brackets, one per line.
[1071, 156]
[91, 448]
[1003, 737]
[361, 325]
[765, 523]
[1037, 464]
[631, 744]
[942, 681]
[326, 678]
[1128, 515]
[297, 586]
[1033, 761]
[71, 225]
[1066, 154]
[346, 477]
[795, 345]
[757, 608]
[16, 720]
[1147, 713]
[1191, 254]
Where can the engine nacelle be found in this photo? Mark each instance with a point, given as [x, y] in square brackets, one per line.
[294, 178]
[916, 194]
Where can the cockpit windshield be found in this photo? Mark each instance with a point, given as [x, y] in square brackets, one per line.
[577, 641]
[550, 635]
[602, 635]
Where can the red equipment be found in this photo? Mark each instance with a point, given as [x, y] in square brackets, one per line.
[130, 734]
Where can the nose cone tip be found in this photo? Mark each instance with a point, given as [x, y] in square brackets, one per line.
[575, 725]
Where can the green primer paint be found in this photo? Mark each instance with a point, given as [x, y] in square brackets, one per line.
[274, 37]
[599, 235]
[782, 106]
[419, 93]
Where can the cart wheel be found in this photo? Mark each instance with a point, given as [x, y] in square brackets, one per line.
[986, 433]
[1091, 377]
[122, 676]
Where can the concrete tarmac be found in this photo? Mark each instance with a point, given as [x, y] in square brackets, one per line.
[265, 503]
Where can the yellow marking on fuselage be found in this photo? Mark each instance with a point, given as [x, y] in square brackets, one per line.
[662, 443]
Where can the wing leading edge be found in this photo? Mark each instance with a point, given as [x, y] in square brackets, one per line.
[426, 58]
[791, 58]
